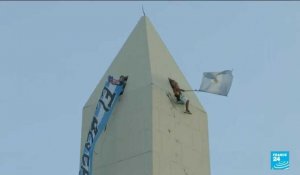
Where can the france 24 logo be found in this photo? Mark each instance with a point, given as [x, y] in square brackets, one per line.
[280, 160]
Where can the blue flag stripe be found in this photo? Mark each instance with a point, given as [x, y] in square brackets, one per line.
[109, 96]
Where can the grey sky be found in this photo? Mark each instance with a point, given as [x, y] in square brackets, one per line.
[52, 55]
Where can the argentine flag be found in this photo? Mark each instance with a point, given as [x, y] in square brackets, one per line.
[217, 82]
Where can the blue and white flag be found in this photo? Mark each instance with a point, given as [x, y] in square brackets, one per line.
[111, 92]
[217, 82]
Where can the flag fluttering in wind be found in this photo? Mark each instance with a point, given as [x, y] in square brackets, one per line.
[217, 82]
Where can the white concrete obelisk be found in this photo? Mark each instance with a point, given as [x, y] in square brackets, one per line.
[147, 134]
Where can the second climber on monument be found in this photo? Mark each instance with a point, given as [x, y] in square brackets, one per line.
[181, 99]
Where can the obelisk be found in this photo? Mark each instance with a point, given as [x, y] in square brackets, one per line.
[147, 134]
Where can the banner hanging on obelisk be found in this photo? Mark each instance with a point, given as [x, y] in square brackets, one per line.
[109, 96]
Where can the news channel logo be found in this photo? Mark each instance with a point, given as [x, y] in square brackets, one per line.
[280, 160]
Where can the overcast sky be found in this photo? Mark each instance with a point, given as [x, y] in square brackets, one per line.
[52, 55]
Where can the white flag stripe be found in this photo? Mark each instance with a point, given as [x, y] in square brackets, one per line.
[217, 82]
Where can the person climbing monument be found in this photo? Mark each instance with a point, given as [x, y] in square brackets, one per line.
[181, 99]
[120, 82]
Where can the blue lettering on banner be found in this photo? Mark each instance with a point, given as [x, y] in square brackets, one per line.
[110, 93]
